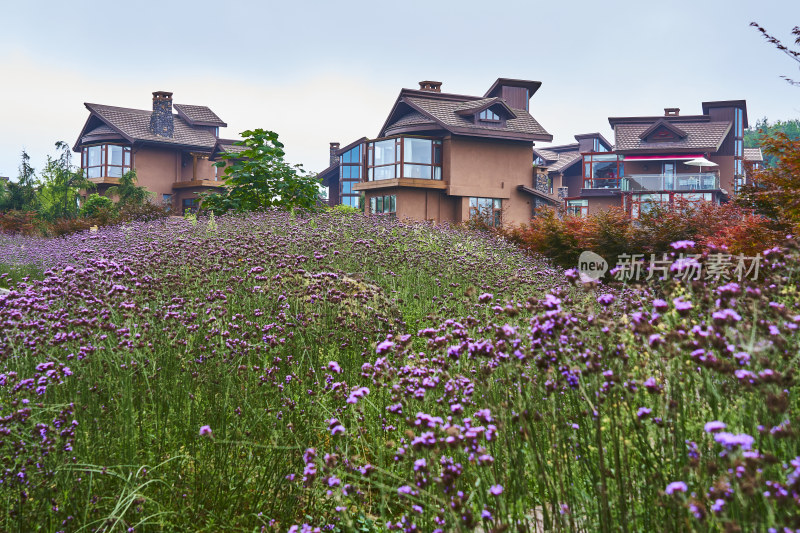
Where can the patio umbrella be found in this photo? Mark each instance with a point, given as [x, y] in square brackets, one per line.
[700, 162]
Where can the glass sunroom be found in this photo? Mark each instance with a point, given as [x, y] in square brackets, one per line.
[404, 157]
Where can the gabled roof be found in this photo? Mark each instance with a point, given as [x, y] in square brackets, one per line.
[701, 136]
[753, 154]
[198, 115]
[467, 111]
[663, 124]
[412, 119]
[100, 133]
[559, 158]
[442, 111]
[134, 126]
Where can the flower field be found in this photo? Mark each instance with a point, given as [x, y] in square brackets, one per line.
[331, 372]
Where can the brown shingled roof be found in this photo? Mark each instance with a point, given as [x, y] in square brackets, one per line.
[198, 115]
[706, 136]
[414, 118]
[445, 112]
[133, 124]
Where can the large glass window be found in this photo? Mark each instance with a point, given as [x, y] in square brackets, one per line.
[349, 175]
[489, 210]
[404, 157]
[601, 171]
[105, 160]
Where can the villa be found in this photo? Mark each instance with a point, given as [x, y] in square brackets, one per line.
[172, 153]
[446, 157]
[654, 160]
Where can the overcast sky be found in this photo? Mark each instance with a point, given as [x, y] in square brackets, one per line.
[317, 72]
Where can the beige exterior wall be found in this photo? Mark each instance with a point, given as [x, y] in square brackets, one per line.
[156, 168]
[490, 169]
[600, 204]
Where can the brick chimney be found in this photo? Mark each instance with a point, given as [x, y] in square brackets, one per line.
[432, 86]
[672, 111]
[161, 121]
[334, 157]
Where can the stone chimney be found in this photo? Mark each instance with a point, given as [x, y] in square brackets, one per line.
[334, 157]
[432, 86]
[672, 111]
[161, 121]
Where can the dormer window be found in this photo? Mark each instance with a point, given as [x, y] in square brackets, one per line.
[489, 116]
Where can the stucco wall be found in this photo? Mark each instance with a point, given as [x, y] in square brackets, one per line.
[600, 204]
[156, 168]
[490, 169]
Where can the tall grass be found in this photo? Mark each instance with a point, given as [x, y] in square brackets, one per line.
[329, 355]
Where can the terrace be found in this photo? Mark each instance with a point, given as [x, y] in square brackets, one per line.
[697, 181]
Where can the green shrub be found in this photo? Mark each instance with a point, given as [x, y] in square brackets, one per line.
[94, 203]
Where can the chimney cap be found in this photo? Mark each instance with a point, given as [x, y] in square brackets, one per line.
[334, 145]
[162, 94]
[428, 85]
[672, 111]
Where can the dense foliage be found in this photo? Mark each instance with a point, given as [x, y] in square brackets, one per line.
[611, 233]
[357, 373]
[775, 190]
[258, 178]
[755, 136]
[49, 206]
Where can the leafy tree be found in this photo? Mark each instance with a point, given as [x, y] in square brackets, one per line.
[61, 186]
[128, 192]
[775, 191]
[753, 137]
[258, 178]
[20, 196]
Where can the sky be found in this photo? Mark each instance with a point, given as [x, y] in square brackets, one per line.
[317, 72]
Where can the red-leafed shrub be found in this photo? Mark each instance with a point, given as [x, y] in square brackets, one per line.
[611, 232]
[22, 222]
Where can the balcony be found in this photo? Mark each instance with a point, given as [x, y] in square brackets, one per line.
[700, 181]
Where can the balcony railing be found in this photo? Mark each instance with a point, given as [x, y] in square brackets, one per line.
[702, 181]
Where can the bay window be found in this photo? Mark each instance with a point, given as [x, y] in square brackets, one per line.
[602, 171]
[105, 160]
[404, 157]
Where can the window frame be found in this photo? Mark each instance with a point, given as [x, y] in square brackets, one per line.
[127, 155]
[399, 163]
[378, 205]
[592, 158]
[350, 161]
[494, 210]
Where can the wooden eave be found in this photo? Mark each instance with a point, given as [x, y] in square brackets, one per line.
[197, 183]
[400, 182]
[92, 114]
